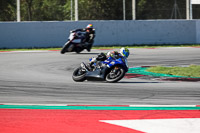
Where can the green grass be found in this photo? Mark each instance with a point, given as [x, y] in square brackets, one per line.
[146, 46]
[190, 71]
[26, 49]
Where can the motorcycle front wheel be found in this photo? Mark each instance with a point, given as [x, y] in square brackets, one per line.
[115, 74]
[68, 47]
[79, 75]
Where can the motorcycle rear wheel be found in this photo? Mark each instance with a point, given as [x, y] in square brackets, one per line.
[112, 77]
[78, 50]
[79, 75]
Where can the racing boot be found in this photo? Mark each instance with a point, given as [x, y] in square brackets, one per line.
[90, 66]
[89, 47]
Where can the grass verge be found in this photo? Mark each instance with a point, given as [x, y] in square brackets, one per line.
[27, 49]
[108, 47]
[145, 46]
[190, 71]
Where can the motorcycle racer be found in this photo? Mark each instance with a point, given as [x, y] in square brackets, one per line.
[90, 35]
[124, 52]
[110, 67]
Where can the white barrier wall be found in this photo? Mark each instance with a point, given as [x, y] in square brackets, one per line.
[55, 34]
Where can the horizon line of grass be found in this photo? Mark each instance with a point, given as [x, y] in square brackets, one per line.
[106, 47]
[190, 71]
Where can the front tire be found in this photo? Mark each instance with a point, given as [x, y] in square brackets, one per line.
[79, 75]
[68, 47]
[115, 74]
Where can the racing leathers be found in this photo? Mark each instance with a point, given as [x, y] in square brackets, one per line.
[90, 35]
[104, 56]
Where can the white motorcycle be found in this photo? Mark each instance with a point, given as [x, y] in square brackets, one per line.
[76, 43]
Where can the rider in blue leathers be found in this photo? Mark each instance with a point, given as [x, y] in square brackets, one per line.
[124, 52]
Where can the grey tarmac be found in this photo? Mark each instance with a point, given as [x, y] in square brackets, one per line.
[46, 78]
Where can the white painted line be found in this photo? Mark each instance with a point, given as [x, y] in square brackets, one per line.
[100, 105]
[28, 51]
[162, 105]
[33, 104]
[180, 125]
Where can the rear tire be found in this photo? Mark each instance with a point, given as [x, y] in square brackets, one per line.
[78, 75]
[112, 77]
[78, 50]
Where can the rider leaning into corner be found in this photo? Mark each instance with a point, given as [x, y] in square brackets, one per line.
[90, 35]
[123, 52]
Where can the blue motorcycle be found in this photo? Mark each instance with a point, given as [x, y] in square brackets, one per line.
[110, 70]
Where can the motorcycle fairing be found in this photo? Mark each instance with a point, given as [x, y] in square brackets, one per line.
[101, 70]
[97, 73]
[113, 62]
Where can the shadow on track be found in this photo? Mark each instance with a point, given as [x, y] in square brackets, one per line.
[87, 53]
[128, 82]
[74, 53]
[123, 82]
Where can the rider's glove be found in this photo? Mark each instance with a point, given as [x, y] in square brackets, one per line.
[93, 59]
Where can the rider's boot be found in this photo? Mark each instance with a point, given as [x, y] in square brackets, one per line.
[89, 47]
[90, 66]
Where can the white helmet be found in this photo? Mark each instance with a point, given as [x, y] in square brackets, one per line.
[124, 52]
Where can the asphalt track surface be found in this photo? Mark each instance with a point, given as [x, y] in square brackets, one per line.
[46, 78]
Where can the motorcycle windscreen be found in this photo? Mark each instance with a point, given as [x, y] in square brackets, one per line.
[76, 41]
